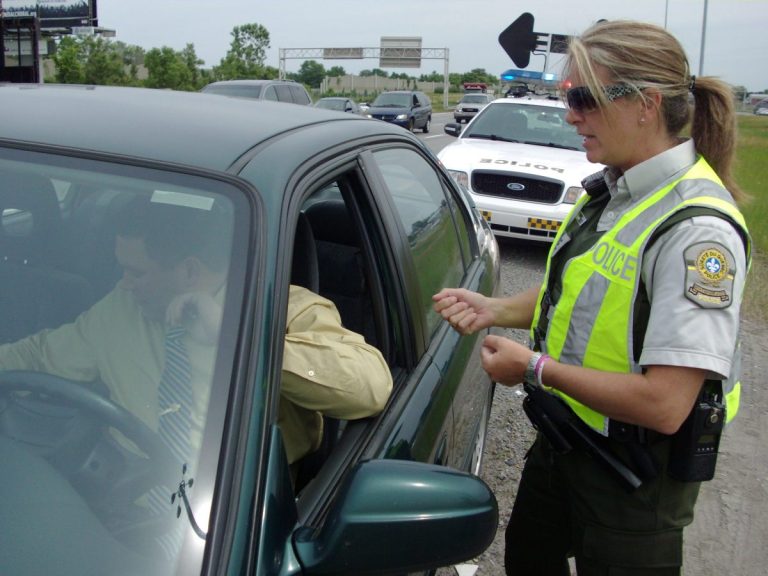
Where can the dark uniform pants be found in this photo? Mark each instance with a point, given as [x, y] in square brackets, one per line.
[568, 505]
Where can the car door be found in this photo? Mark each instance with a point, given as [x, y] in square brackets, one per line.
[436, 222]
[366, 268]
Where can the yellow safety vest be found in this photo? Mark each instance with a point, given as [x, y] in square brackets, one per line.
[591, 323]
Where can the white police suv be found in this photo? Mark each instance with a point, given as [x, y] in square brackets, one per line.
[522, 163]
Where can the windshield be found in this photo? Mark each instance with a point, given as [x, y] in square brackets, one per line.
[526, 123]
[120, 310]
[238, 90]
[393, 100]
[474, 99]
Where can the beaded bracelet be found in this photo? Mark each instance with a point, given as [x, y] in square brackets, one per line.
[539, 368]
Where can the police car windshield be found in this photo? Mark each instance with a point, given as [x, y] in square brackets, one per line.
[529, 123]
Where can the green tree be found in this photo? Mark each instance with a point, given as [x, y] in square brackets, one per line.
[194, 65]
[69, 61]
[433, 77]
[170, 69]
[478, 75]
[104, 63]
[374, 72]
[247, 53]
[133, 58]
[311, 73]
[336, 71]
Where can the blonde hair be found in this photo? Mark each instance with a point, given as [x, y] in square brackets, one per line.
[644, 56]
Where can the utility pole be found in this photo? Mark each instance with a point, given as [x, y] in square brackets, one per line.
[703, 37]
[2, 41]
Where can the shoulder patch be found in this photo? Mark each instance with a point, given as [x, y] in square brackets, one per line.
[710, 269]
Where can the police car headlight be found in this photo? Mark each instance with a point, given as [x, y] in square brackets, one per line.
[461, 178]
[572, 194]
[402, 117]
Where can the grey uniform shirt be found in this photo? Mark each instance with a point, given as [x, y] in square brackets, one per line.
[681, 332]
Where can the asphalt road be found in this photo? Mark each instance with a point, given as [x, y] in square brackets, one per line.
[436, 139]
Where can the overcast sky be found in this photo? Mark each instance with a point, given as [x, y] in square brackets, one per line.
[736, 43]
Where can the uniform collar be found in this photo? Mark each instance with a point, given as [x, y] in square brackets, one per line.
[646, 177]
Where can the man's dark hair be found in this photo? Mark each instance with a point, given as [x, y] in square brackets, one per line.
[173, 232]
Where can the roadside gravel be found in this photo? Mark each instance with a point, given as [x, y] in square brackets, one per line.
[730, 532]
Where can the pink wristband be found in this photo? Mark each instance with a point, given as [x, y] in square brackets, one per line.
[539, 368]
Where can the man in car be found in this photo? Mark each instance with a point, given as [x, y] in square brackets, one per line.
[175, 264]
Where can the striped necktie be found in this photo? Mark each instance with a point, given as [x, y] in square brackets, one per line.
[174, 400]
[175, 396]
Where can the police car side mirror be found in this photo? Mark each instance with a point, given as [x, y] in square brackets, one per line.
[452, 129]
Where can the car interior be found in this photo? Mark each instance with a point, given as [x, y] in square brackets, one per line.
[330, 260]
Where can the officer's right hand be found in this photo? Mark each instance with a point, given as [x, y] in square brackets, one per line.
[466, 311]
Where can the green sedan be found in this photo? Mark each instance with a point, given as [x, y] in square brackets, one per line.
[352, 211]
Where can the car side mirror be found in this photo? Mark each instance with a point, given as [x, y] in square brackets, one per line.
[452, 129]
[398, 516]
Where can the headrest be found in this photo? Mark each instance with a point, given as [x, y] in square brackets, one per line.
[304, 270]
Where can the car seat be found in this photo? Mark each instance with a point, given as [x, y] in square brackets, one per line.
[36, 292]
[304, 268]
[342, 273]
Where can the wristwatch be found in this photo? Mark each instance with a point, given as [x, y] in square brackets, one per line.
[530, 371]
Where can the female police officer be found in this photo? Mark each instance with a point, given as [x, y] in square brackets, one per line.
[635, 325]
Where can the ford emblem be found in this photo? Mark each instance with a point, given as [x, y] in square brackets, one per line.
[516, 187]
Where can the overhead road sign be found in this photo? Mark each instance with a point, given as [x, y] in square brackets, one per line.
[400, 52]
[342, 53]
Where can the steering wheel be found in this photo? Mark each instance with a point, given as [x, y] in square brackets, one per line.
[143, 473]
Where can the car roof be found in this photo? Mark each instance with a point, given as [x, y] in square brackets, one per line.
[191, 128]
[542, 101]
[251, 82]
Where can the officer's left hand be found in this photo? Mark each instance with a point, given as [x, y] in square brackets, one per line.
[504, 360]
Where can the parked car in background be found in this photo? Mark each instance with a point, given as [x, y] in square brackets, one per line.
[358, 211]
[469, 105]
[338, 103]
[522, 163]
[517, 91]
[410, 109]
[276, 90]
[761, 108]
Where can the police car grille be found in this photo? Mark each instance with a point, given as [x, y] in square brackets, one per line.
[516, 186]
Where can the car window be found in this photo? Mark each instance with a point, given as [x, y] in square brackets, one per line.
[283, 93]
[270, 93]
[86, 278]
[299, 95]
[425, 214]
[239, 90]
[392, 100]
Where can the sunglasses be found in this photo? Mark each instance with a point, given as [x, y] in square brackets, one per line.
[580, 99]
